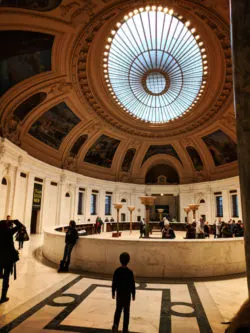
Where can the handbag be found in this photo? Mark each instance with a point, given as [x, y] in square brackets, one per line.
[25, 236]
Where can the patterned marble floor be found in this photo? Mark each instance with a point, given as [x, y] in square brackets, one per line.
[41, 300]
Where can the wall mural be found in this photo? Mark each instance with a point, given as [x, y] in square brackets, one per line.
[28, 105]
[126, 164]
[40, 5]
[77, 145]
[102, 151]
[195, 157]
[53, 126]
[23, 54]
[222, 148]
[163, 149]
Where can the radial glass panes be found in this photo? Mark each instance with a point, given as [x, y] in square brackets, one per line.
[154, 65]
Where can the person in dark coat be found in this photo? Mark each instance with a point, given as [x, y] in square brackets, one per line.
[123, 287]
[70, 240]
[191, 231]
[238, 230]
[8, 253]
[20, 237]
[206, 230]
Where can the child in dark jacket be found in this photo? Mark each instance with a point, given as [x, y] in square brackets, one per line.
[123, 286]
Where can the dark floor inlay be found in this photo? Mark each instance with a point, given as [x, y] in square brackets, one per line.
[167, 309]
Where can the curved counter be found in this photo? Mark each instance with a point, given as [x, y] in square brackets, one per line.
[159, 258]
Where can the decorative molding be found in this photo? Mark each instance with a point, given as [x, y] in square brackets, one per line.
[61, 87]
[65, 9]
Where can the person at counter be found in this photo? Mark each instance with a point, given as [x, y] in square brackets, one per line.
[70, 241]
[168, 232]
[98, 225]
[191, 231]
[142, 228]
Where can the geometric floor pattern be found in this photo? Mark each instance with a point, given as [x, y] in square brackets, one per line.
[41, 300]
[83, 306]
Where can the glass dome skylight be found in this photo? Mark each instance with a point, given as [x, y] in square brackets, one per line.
[155, 65]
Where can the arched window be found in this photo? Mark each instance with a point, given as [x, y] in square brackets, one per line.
[4, 181]
[67, 195]
[123, 200]
[202, 201]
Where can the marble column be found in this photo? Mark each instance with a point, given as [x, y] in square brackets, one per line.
[240, 34]
[226, 205]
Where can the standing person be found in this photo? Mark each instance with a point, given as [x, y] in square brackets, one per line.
[98, 224]
[218, 228]
[206, 229]
[142, 228]
[20, 237]
[123, 286]
[8, 253]
[70, 240]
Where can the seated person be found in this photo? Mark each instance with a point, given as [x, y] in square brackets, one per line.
[191, 232]
[168, 232]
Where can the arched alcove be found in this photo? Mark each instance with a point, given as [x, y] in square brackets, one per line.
[162, 174]
[4, 181]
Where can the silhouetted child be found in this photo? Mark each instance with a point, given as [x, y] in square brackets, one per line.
[123, 286]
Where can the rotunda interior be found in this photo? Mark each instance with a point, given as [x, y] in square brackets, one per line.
[106, 102]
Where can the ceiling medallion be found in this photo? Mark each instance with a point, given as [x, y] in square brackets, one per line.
[155, 65]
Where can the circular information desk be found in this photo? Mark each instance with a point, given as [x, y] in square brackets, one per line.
[161, 258]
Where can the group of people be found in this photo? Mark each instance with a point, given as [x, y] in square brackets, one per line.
[219, 229]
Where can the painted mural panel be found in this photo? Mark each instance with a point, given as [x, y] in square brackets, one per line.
[77, 145]
[53, 126]
[39, 5]
[23, 54]
[28, 105]
[126, 164]
[195, 157]
[102, 151]
[161, 149]
[222, 148]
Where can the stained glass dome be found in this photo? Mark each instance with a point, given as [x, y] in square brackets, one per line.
[155, 65]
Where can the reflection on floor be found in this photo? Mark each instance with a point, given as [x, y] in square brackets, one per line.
[41, 300]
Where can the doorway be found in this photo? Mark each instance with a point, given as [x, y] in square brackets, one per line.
[36, 209]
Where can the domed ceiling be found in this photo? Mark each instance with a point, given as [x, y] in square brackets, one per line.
[111, 89]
